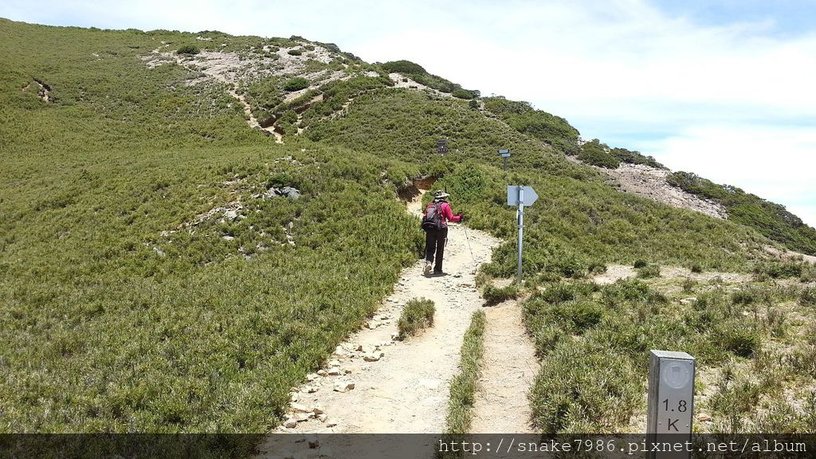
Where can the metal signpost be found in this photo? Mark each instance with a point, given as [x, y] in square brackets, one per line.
[504, 154]
[442, 146]
[519, 195]
[670, 407]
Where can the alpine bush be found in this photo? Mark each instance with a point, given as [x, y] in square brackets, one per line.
[188, 49]
[296, 84]
[495, 295]
[416, 315]
[808, 296]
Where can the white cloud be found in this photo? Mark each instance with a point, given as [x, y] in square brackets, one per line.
[771, 162]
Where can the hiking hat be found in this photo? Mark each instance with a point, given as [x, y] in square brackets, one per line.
[440, 195]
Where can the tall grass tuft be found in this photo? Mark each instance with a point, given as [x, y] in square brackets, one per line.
[416, 315]
[463, 386]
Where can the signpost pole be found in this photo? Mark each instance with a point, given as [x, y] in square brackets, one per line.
[504, 154]
[520, 195]
[520, 227]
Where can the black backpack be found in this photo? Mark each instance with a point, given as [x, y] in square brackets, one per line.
[433, 217]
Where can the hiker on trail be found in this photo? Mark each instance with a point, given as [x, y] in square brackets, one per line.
[435, 223]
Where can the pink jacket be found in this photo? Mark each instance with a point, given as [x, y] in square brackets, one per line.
[447, 213]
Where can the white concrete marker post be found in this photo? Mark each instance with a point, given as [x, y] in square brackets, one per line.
[519, 195]
[670, 409]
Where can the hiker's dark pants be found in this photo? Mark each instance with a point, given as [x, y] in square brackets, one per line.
[435, 244]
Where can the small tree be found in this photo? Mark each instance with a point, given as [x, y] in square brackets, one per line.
[296, 84]
[188, 49]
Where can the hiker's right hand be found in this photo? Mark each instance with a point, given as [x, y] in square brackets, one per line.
[461, 217]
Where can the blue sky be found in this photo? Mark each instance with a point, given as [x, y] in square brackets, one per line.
[720, 88]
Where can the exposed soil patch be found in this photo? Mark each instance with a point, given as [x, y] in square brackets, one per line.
[43, 89]
[790, 255]
[651, 183]
[616, 272]
[233, 70]
[414, 191]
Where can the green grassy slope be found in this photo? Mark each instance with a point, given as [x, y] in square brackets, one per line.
[114, 315]
[769, 218]
[578, 221]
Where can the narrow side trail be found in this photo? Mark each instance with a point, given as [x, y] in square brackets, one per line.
[509, 368]
[374, 384]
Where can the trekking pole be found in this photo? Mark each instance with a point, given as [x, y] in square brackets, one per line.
[468, 243]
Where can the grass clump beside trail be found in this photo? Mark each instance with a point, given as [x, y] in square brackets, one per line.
[463, 386]
[579, 328]
[494, 295]
[417, 314]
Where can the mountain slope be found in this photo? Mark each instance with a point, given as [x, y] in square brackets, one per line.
[156, 273]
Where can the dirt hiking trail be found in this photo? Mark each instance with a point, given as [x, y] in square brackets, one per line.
[375, 384]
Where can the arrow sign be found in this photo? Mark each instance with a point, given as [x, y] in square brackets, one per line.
[528, 195]
[520, 195]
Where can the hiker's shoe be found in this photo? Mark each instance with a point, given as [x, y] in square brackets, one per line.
[439, 273]
[427, 270]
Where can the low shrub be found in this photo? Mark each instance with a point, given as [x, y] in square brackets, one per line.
[649, 271]
[577, 390]
[495, 295]
[808, 273]
[403, 66]
[296, 84]
[623, 291]
[461, 93]
[416, 315]
[778, 270]
[188, 49]
[596, 268]
[635, 157]
[640, 264]
[595, 154]
[577, 316]
[733, 400]
[745, 297]
[808, 296]
[735, 337]
[481, 278]
[776, 322]
[803, 360]
[562, 292]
